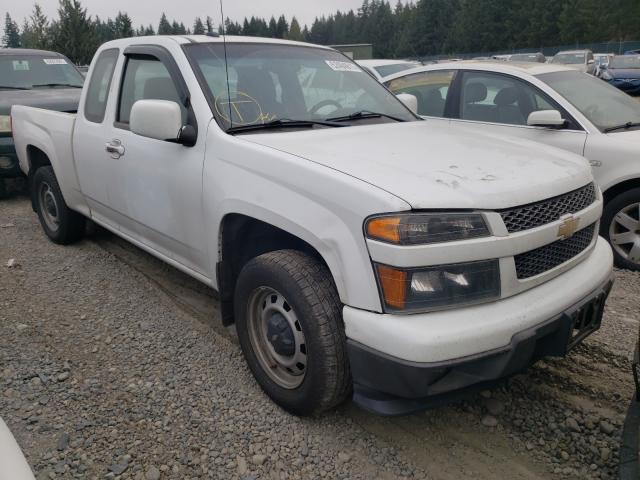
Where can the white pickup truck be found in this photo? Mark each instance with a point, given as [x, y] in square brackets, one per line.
[358, 249]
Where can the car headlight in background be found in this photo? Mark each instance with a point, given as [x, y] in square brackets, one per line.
[424, 228]
[606, 75]
[432, 288]
[5, 124]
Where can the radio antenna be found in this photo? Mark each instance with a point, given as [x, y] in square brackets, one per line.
[226, 63]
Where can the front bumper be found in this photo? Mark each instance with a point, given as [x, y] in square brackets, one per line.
[389, 386]
[9, 165]
[403, 363]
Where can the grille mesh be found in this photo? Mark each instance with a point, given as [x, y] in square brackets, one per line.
[537, 214]
[545, 258]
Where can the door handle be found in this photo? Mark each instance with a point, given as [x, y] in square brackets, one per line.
[115, 148]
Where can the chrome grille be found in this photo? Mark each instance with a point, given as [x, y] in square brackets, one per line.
[537, 214]
[540, 260]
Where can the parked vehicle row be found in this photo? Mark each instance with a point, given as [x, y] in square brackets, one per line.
[553, 105]
[37, 78]
[360, 250]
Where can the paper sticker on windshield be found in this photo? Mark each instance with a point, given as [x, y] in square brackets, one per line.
[54, 61]
[20, 65]
[339, 66]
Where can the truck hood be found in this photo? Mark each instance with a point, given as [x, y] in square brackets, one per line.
[59, 99]
[429, 165]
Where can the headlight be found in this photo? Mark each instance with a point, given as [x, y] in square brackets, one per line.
[606, 75]
[422, 228]
[430, 288]
[5, 124]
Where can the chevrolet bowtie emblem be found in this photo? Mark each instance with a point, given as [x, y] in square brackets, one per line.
[568, 227]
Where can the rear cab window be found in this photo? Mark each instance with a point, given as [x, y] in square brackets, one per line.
[99, 85]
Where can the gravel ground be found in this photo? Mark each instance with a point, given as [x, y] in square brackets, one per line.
[113, 365]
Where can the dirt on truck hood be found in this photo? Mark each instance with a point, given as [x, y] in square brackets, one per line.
[430, 165]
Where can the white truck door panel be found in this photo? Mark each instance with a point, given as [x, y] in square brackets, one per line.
[94, 165]
[157, 196]
[500, 104]
[155, 192]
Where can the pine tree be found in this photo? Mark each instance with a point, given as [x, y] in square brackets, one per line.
[36, 30]
[11, 37]
[198, 27]
[73, 33]
[164, 27]
[123, 27]
[294, 31]
[282, 27]
[209, 24]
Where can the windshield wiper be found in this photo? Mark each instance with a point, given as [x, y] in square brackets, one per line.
[56, 85]
[364, 114]
[7, 87]
[283, 123]
[624, 126]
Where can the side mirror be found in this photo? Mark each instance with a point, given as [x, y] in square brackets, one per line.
[410, 101]
[591, 62]
[159, 119]
[546, 118]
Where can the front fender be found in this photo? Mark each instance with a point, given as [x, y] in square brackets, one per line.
[321, 206]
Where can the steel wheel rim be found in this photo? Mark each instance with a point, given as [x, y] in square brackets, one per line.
[49, 206]
[624, 233]
[268, 309]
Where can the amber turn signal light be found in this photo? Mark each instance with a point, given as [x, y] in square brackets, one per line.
[394, 286]
[384, 228]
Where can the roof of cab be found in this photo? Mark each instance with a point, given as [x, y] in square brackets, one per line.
[187, 39]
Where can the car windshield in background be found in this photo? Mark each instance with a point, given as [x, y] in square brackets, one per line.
[30, 71]
[386, 70]
[569, 58]
[605, 106]
[524, 57]
[625, 62]
[271, 82]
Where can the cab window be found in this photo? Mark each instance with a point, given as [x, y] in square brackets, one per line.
[496, 98]
[98, 90]
[146, 78]
[430, 88]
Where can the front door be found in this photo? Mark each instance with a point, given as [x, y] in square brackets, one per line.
[500, 104]
[157, 188]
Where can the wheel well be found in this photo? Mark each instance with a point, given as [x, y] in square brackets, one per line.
[622, 187]
[37, 158]
[241, 239]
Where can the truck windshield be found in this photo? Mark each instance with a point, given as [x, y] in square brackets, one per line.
[18, 72]
[569, 58]
[269, 82]
[605, 106]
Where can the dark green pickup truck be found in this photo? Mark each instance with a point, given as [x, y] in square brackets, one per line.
[36, 78]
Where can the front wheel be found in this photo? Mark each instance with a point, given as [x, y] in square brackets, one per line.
[621, 227]
[61, 224]
[289, 323]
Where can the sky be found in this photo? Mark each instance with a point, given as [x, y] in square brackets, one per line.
[149, 11]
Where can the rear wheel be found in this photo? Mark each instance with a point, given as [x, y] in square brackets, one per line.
[621, 226]
[289, 323]
[61, 224]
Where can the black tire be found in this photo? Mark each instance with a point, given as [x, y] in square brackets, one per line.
[66, 226]
[622, 252]
[309, 289]
[4, 191]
